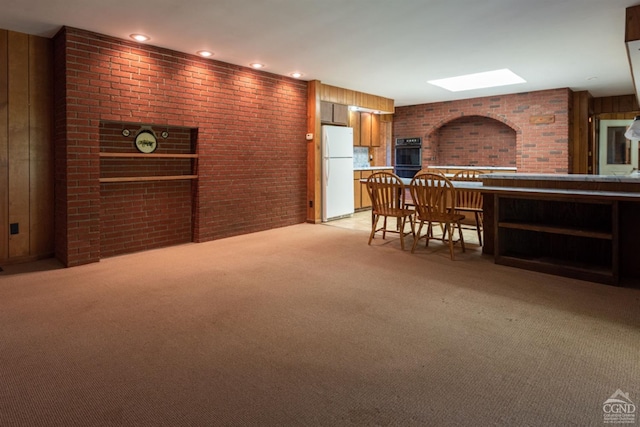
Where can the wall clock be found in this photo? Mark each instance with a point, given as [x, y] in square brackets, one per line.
[146, 142]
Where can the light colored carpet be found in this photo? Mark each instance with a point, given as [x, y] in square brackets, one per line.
[307, 325]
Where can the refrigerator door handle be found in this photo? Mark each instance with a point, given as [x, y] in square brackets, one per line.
[327, 169]
[327, 156]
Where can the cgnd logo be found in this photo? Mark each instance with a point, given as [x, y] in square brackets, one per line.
[619, 409]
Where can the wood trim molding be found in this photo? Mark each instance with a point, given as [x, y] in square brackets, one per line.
[314, 164]
[359, 99]
[148, 178]
[632, 41]
[632, 28]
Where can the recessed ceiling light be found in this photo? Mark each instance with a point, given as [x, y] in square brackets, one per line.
[257, 65]
[140, 37]
[495, 78]
[296, 75]
[205, 53]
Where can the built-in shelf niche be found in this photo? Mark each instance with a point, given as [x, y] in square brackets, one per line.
[575, 238]
[175, 157]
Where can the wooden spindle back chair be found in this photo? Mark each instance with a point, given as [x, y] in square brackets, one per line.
[435, 201]
[469, 200]
[388, 200]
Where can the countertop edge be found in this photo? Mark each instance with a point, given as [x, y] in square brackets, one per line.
[489, 168]
[371, 168]
[562, 177]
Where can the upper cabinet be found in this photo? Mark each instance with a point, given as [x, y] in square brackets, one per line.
[354, 122]
[366, 127]
[335, 114]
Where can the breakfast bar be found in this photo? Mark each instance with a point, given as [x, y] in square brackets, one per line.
[581, 226]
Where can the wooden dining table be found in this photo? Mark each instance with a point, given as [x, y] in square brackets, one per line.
[466, 185]
[463, 185]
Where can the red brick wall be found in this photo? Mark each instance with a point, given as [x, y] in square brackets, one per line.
[137, 216]
[541, 148]
[249, 127]
[475, 141]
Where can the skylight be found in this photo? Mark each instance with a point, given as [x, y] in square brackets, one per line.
[495, 78]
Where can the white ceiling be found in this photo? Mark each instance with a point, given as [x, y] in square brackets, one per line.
[389, 48]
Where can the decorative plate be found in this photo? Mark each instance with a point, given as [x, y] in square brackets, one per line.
[146, 142]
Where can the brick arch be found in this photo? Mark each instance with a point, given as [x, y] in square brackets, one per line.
[457, 116]
[473, 139]
[540, 147]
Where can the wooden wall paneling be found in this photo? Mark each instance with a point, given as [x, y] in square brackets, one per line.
[351, 97]
[579, 145]
[4, 146]
[18, 136]
[357, 99]
[341, 96]
[334, 94]
[617, 116]
[323, 91]
[615, 104]
[627, 103]
[593, 155]
[347, 97]
[370, 101]
[314, 154]
[41, 146]
[606, 104]
[375, 131]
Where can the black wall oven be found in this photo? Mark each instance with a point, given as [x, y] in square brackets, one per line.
[408, 157]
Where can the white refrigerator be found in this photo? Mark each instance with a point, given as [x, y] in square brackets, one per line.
[337, 172]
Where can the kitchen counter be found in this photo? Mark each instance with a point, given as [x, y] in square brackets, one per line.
[371, 168]
[567, 177]
[583, 182]
[492, 169]
[575, 225]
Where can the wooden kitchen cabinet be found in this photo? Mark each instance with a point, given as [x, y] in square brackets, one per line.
[365, 129]
[369, 130]
[366, 199]
[354, 122]
[360, 193]
[357, 190]
[335, 114]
